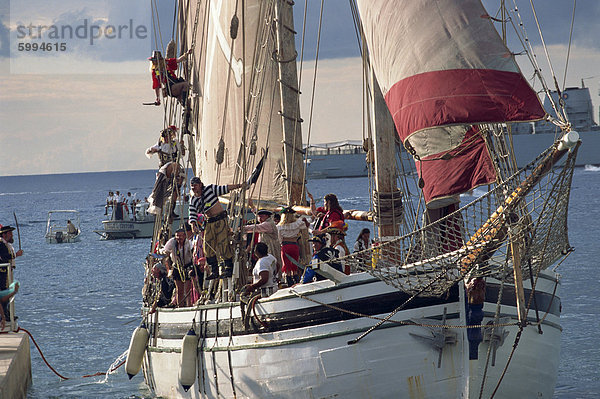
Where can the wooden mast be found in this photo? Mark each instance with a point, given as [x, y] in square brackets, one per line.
[385, 153]
[290, 104]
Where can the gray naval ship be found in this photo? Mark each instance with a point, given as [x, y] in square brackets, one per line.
[348, 158]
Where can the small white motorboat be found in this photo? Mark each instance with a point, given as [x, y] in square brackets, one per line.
[63, 226]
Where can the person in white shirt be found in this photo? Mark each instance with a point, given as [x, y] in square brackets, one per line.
[168, 148]
[264, 272]
[109, 202]
[179, 264]
[363, 242]
[338, 243]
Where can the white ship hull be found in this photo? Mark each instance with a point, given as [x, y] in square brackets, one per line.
[307, 354]
[142, 227]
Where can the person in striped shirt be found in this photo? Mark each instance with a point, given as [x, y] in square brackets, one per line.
[217, 243]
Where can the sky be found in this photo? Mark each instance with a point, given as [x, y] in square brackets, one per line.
[80, 110]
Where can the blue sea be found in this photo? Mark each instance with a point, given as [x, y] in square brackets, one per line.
[82, 301]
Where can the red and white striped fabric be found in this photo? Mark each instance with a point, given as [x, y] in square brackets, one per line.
[442, 67]
[441, 62]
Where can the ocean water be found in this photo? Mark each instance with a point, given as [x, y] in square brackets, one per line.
[81, 301]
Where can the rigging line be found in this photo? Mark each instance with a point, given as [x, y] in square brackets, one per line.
[312, 98]
[227, 87]
[569, 48]
[526, 43]
[157, 27]
[305, 155]
[398, 322]
[537, 22]
[512, 352]
[399, 308]
[174, 20]
[496, 319]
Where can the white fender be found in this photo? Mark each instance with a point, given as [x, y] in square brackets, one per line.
[189, 353]
[137, 347]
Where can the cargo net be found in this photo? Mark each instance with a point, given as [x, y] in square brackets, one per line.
[526, 215]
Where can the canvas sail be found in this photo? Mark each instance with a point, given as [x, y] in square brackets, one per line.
[238, 97]
[442, 67]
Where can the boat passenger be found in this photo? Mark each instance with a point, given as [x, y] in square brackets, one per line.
[322, 253]
[267, 233]
[180, 265]
[363, 243]
[264, 273]
[337, 232]
[327, 214]
[71, 229]
[205, 200]
[363, 240]
[109, 202]
[163, 296]
[289, 232]
[163, 73]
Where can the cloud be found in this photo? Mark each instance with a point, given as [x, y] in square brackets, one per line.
[72, 33]
[4, 40]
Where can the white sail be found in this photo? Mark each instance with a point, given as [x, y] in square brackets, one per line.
[238, 97]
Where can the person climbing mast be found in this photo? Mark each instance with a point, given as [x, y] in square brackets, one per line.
[163, 73]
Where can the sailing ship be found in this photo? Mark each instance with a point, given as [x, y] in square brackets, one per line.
[403, 323]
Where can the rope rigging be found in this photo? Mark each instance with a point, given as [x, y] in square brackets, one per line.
[110, 370]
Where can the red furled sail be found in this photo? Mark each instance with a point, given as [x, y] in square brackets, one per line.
[460, 170]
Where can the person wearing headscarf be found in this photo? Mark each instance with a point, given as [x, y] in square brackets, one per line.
[163, 74]
[289, 230]
[267, 233]
[330, 212]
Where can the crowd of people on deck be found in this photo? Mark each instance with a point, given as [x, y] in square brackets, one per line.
[123, 205]
[277, 243]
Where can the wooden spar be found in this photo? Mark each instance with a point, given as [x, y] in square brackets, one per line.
[515, 246]
[494, 229]
[385, 153]
[290, 103]
[351, 214]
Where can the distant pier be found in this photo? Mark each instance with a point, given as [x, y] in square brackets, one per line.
[15, 365]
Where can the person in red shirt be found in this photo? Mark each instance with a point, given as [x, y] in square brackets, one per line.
[163, 73]
[327, 214]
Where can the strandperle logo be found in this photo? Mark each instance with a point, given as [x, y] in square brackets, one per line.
[86, 30]
[79, 36]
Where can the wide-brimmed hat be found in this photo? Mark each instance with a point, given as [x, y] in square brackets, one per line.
[6, 229]
[264, 212]
[287, 209]
[155, 56]
[333, 230]
[320, 239]
[161, 267]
